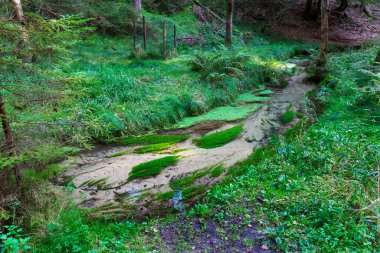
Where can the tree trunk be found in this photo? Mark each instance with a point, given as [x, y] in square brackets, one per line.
[137, 4]
[343, 6]
[324, 32]
[8, 135]
[309, 11]
[229, 22]
[19, 13]
[9, 145]
[378, 57]
[19, 16]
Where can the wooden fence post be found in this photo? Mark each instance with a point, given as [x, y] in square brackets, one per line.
[134, 35]
[144, 32]
[175, 37]
[164, 38]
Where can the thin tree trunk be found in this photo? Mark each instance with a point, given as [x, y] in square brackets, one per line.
[19, 16]
[324, 32]
[343, 6]
[309, 9]
[137, 4]
[9, 145]
[19, 13]
[229, 22]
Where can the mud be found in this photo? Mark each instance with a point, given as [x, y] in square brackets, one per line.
[97, 165]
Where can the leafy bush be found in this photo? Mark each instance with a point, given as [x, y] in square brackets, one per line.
[11, 240]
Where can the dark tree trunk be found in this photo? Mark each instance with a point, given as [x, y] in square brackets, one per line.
[343, 6]
[10, 144]
[324, 32]
[229, 22]
[378, 57]
[309, 10]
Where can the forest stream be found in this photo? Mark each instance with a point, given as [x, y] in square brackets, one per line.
[117, 192]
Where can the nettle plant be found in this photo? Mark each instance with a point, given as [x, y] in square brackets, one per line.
[11, 240]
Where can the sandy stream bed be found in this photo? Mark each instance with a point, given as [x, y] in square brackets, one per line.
[96, 164]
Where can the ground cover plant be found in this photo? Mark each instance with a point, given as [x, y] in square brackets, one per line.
[219, 139]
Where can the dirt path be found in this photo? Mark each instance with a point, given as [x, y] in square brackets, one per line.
[113, 172]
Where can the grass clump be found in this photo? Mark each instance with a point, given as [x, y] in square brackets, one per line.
[224, 113]
[154, 148]
[217, 171]
[152, 168]
[288, 117]
[153, 139]
[219, 139]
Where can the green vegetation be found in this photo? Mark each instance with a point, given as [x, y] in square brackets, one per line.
[154, 148]
[217, 171]
[314, 189]
[152, 139]
[121, 153]
[288, 117]
[219, 139]
[225, 113]
[152, 168]
[250, 98]
[188, 180]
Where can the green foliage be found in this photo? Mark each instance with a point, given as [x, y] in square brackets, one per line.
[217, 171]
[12, 241]
[121, 153]
[152, 168]
[152, 139]
[288, 117]
[314, 188]
[250, 98]
[188, 180]
[224, 113]
[154, 148]
[218, 66]
[220, 138]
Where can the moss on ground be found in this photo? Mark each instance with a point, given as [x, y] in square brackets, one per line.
[250, 98]
[189, 180]
[154, 148]
[219, 139]
[121, 153]
[265, 92]
[152, 139]
[152, 168]
[217, 171]
[225, 113]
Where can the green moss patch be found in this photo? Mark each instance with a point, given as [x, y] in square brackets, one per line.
[265, 93]
[219, 139]
[189, 180]
[225, 113]
[250, 98]
[217, 171]
[152, 168]
[121, 153]
[154, 148]
[152, 139]
[288, 116]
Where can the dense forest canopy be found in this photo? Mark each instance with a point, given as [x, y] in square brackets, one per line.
[253, 123]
